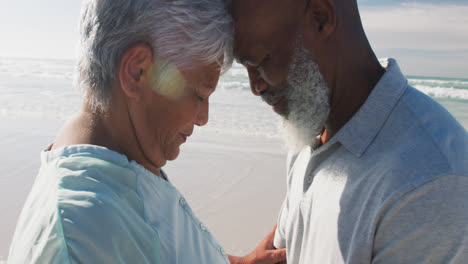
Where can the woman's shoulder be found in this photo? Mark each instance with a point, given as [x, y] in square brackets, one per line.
[88, 166]
[86, 206]
[92, 181]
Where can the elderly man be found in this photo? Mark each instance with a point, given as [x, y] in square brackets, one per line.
[377, 171]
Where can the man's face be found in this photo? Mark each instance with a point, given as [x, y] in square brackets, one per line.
[265, 31]
[268, 41]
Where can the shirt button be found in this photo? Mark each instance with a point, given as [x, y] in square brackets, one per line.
[182, 202]
[202, 227]
[221, 250]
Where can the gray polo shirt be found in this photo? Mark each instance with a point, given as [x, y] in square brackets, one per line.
[390, 187]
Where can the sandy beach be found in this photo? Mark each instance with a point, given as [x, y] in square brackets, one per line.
[234, 183]
[22, 141]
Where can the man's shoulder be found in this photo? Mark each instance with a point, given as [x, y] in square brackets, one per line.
[432, 133]
[419, 142]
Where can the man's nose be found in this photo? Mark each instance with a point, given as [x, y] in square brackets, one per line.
[257, 84]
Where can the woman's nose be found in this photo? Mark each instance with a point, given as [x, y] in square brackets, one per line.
[203, 114]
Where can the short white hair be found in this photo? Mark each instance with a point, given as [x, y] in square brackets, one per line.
[179, 31]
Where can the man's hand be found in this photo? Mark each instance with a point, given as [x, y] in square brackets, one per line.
[265, 253]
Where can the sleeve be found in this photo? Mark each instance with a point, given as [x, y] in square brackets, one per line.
[102, 227]
[279, 240]
[428, 224]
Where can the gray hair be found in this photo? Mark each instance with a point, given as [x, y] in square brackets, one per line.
[179, 31]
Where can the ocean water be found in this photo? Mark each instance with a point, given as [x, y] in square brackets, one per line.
[43, 89]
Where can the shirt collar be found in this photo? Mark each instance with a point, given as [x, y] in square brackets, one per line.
[360, 131]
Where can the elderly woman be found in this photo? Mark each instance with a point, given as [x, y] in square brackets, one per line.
[147, 68]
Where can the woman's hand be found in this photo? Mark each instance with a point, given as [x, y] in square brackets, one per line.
[265, 253]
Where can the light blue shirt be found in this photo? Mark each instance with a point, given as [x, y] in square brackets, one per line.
[390, 187]
[91, 205]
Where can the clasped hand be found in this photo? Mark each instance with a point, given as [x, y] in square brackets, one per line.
[264, 253]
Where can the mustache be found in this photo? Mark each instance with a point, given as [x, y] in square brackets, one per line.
[271, 94]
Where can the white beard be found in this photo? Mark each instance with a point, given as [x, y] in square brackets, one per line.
[307, 101]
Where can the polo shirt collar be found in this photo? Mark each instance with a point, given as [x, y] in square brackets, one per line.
[360, 131]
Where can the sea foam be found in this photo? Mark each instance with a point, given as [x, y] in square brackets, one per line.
[443, 92]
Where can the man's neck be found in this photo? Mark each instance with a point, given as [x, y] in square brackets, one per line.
[323, 137]
[353, 83]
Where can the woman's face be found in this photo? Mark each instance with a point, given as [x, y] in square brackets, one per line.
[174, 103]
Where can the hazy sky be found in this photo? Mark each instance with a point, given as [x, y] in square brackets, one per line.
[427, 37]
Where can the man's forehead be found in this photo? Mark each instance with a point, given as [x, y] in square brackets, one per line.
[251, 14]
[254, 6]
[264, 27]
[251, 2]
[264, 3]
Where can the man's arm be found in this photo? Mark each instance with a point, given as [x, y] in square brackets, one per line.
[265, 253]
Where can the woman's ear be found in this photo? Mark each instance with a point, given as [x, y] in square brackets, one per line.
[321, 18]
[133, 70]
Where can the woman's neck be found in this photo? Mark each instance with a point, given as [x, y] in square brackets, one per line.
[111, 129]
